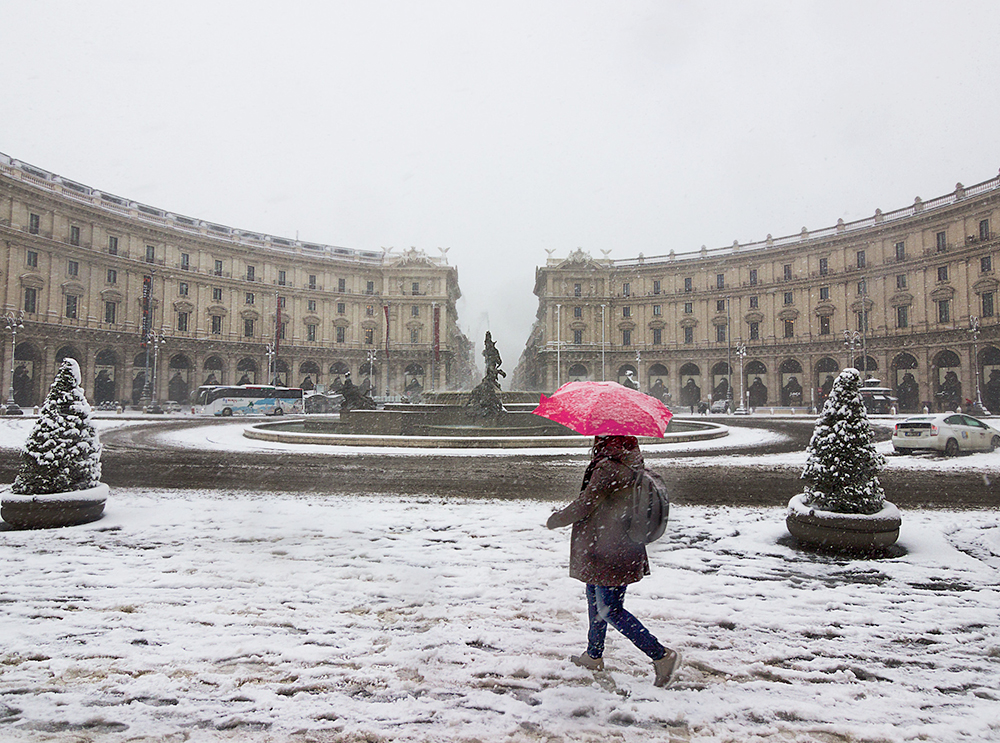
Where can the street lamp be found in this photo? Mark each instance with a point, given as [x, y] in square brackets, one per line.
[15, 322]
[156, 339]
[852, 338]
[974, 332]
[603, 343]
[638, 368]
[372, 353]
[270, 362]
[741, 354]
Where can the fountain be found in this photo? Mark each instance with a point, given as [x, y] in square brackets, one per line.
[473, 420]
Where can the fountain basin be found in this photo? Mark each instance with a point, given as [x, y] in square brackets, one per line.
[366, 428]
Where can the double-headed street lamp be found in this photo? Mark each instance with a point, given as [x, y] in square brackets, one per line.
[270, 362]
[974, 332]
[15, 322]
[741, 354]
[852, 339]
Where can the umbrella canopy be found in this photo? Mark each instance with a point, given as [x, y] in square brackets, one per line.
[605, 409]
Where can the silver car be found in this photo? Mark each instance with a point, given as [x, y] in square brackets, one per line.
[950, 433]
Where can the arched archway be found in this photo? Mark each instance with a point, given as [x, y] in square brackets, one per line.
[369, 376]
[658, 382]
[690, 375]
[27, 370]
[280, 373]
[215, 370]
[309, 375]
[989, 375]
[68, 352]
[721, 381]
[627, 375]
[904, 382]
[246, 371]
[179, 378]
[756, 372]
[138, 376]
[867, 365]
[827, 370]
[413, 379]
[105, 366]
[790, 378]
[577, 373]
[338, 370]
[947, 384]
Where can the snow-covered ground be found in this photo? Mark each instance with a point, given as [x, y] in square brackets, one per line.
[224, 615]
[218, 615]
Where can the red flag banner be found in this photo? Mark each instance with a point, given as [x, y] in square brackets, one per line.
[386, 308]
[147, 293]
[437, 333]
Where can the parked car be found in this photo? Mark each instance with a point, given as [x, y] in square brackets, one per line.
[171, 406]
[722, 406]
[950, 433]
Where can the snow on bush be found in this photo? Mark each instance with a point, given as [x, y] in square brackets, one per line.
[63, 452]
[842, 464]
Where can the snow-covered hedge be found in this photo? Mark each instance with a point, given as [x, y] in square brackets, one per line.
[842, 466]
[63, 452]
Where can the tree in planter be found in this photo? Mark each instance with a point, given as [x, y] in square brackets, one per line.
[842, 467]
[63, 453]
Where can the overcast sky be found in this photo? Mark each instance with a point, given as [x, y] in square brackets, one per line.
[503, 129]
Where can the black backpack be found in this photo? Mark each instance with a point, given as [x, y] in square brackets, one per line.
[649, 507]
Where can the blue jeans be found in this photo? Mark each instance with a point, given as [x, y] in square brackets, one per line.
[605, 604]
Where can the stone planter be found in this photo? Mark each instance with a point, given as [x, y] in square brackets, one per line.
[843, 532]
[54, 509]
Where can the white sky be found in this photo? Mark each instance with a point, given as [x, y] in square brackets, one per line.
[500, 130]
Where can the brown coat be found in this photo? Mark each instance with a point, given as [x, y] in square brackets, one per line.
[600, 551]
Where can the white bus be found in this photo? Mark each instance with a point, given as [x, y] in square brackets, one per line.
[249, 399]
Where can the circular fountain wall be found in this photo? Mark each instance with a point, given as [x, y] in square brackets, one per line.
[436, 426]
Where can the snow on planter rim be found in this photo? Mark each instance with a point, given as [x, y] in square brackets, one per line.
[96, 494]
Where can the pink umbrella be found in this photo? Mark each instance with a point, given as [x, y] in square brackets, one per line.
[605, 409]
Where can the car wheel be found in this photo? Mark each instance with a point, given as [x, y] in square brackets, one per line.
[279, 411]
[226, 412]
[951, 448]
[995, 443]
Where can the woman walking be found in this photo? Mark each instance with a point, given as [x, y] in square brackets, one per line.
[603, 556]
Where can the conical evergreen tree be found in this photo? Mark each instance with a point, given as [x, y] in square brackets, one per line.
[842, 467]
[63, 453]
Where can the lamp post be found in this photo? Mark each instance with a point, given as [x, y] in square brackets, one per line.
[372, 353]
[558, 345]
[15, 322]
[741, 354]
[603, 343]
[638, 368]
[270, 362]
[729, 354]
[156, 339]
[852, 338]
[974, 332]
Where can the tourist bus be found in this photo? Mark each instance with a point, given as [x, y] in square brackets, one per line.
[248, 399]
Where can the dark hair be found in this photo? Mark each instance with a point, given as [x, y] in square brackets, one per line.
[616, 448]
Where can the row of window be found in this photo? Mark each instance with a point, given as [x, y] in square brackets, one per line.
[985, 266]
[185, 264]
[943, 308]
[861, 261]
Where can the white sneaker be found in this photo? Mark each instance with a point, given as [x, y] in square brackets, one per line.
[585, 661]
[666, 667]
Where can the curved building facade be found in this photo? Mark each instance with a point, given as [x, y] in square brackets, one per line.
[91, 275]
[909, 295]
